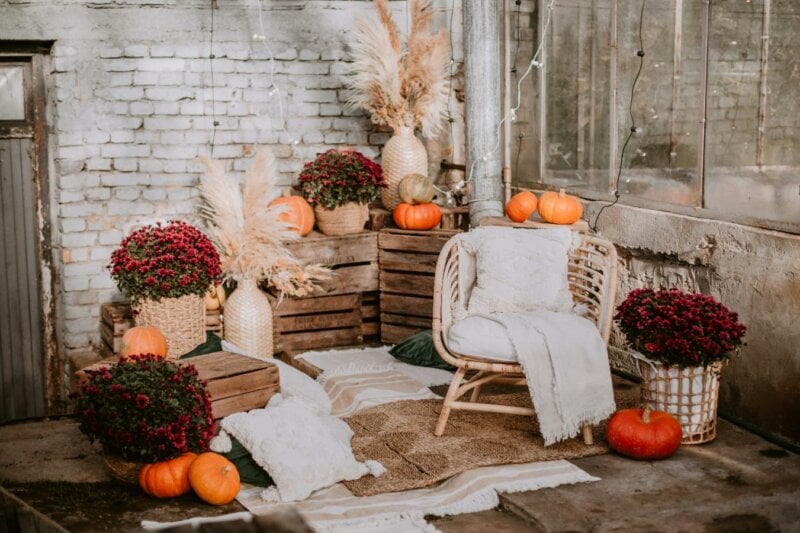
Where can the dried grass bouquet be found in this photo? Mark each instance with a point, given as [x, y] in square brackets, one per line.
[400, 84]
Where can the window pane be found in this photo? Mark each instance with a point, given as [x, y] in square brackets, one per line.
[12, 94]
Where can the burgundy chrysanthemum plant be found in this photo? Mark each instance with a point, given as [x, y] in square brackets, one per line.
[146, 409]
[678, 328]
[336, 177]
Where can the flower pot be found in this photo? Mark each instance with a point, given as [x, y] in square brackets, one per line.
[122, 469]
[181, 320]
[342, 220]
[403, 154]
[248, 320]
[690, 394]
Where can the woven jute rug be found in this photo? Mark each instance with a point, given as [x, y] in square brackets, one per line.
[400, 436]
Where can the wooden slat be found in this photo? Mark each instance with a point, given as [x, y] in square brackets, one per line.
[409, 305]
[316, 322]
[408, 261]
[336, 250]
[369, 329]
[392, 334]
[107, 335]
[234, 385]
[413, 284]
[310, 340]
[369, 311]
[414, 241]
[221, 364]
[406, 320]
[317, 304]
[117, 315]
[243, 402]
[349, 279]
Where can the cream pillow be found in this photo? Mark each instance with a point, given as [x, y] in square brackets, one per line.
[520, 270]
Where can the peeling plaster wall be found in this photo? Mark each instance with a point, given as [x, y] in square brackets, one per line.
[754, 272]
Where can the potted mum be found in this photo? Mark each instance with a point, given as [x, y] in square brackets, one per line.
[680, 341]
[340, 185]
[144, 410]
[166, 270]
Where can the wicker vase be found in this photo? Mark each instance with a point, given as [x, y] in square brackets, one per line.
[122, 469]
[690, 394]
[181, 320]
[342, 220]
[248, 320]
[404, 154]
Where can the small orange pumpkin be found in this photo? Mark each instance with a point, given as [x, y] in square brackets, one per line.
[300, 214]
[560, 208]
[214, 479]
[521, 206]
[415, 189]
[167, 479]
[419, 217]
[644, 434]
[142, 340]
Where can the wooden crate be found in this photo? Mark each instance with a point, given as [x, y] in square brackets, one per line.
[236, 383]
[353, 259]
[301, 324]
[452, 218]
[408, 262]
[116, 319]
[370, 316]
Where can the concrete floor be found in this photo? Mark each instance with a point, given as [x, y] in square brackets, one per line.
[739, 482]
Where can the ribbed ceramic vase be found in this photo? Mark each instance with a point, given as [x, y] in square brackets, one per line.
[403, 154]
[342, 220]
[181, 320]
[248, 320]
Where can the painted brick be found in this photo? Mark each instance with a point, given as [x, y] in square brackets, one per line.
[165, 108]
[170, 123]
[126, 164]
[145, 78]
[159, 65]
[125, 150]
[141, 108]
[162, 50]
[136, 50]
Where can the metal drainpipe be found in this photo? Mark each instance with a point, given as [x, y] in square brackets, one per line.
[483, 100]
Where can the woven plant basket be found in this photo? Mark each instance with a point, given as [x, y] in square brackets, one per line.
[690, 394]
[342, 220]
[403, 154]
[181, 320]
[248, 320]
[122, 469]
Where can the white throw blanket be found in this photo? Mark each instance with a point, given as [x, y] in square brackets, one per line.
[566, 366]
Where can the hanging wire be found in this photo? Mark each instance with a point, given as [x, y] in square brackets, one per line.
[273, 88]
[634, 128]
[214, 121]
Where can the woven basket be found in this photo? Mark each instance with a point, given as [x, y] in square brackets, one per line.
[690, 394]
[122, 469]
[342, 220]
[248, 320]
[181, 320]
[402, 155]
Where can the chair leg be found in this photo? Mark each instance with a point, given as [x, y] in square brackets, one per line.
[476, 392]
[450, 398]
[587, 435]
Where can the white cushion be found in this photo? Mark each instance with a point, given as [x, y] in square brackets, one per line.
[480, 336]
[520, 270]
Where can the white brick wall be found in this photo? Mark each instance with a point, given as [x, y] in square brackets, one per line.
[131, 108]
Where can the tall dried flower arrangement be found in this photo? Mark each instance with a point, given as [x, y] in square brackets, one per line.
[248, 233]
[400, 84]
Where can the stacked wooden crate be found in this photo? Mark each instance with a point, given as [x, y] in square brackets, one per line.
[407, 265]
[116, 319]
[343, 311]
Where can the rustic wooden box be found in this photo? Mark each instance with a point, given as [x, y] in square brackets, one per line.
[452, 218]
[407, 266]
[236, 383]
[116, 319]
[301, 324]
[353, 259]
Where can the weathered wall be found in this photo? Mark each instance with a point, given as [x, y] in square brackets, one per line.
[754, 272]
[131, 93]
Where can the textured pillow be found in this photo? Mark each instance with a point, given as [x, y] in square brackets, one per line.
[480, 336]
[419, 350]
[302, 450]
[520, 270]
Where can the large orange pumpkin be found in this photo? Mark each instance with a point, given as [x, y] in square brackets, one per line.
[560, 208]
[167, 479]
[644, 434]
[300, 215]
[521, 206]
[142, 340]
[214, 479]
[419, 217]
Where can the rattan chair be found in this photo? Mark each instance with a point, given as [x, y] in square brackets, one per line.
[592, 281]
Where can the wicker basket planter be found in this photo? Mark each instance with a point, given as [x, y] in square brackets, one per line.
[181, 320]
[122, 469]
[690, 394]
[342, 220]
[248, 320]
[403, 154]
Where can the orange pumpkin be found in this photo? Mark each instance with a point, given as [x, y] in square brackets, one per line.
[214, 479]
[419, 217]
[521, 206]
[142, 340]
[560, 208]
[300, 215]
[167, 479]
[644, 434]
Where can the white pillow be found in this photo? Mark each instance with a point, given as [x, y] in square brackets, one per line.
[301, 450]
[520, 270]
[480, 336]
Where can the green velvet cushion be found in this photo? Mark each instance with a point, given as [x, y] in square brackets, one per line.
[419, 350]
[249, 471]
[213, 344]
